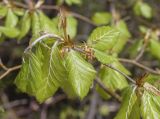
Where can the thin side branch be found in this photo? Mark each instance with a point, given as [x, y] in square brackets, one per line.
[146, 41]
[57, 8]
[107, 90]
[129, 78]
[9, 70]
[2, 65]
[139, 65]
[79, 16]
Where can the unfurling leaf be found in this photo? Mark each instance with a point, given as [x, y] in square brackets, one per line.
[103, 38]
[80, 75]
[71, 26]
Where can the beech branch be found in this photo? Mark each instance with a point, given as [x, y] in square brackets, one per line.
[9, 70]
[139, 65]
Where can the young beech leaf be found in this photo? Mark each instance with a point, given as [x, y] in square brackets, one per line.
[70, 2]
[80, 75]
[150, 106]
[146, 10]
[100, 18]
[135, 48]
[19, 11]
[143, 9]
[103, 57]
[128, 105]
[41, 73]
[112, 79]
[3, 10]
[53, 75]
[11, 19]
[10, 32]
[103, 38]
[123, 36]
[35, 25]
[25, 25]
[154, 48]
[46, 24]
[71, 26]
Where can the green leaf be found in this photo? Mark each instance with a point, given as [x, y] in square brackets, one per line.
[154, 48]
[36, 28]
[46, 24]
[124, 36]
[100, 18]
[103, 38]
[80, 75]
[143, 9]
[9, 31]
[19, 11]
[136, 8]
[70, 2]
[103, 57]
[25, 25]
[128, 105]
[11, 19]
[150, 105]
[112, 79]
[41, 73]
[146, 10]
[135, 48]
[71, 26]
[3, 11]
[53, 75]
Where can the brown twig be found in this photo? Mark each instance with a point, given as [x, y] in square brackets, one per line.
[146, 41]
[54, 7]
[50, 7]
[107, 90]
[19, 4]
[2, 65]
[139, 65]
[9, 70]
[79, 16]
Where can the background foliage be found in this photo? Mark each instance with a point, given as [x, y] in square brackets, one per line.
[79, 59]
